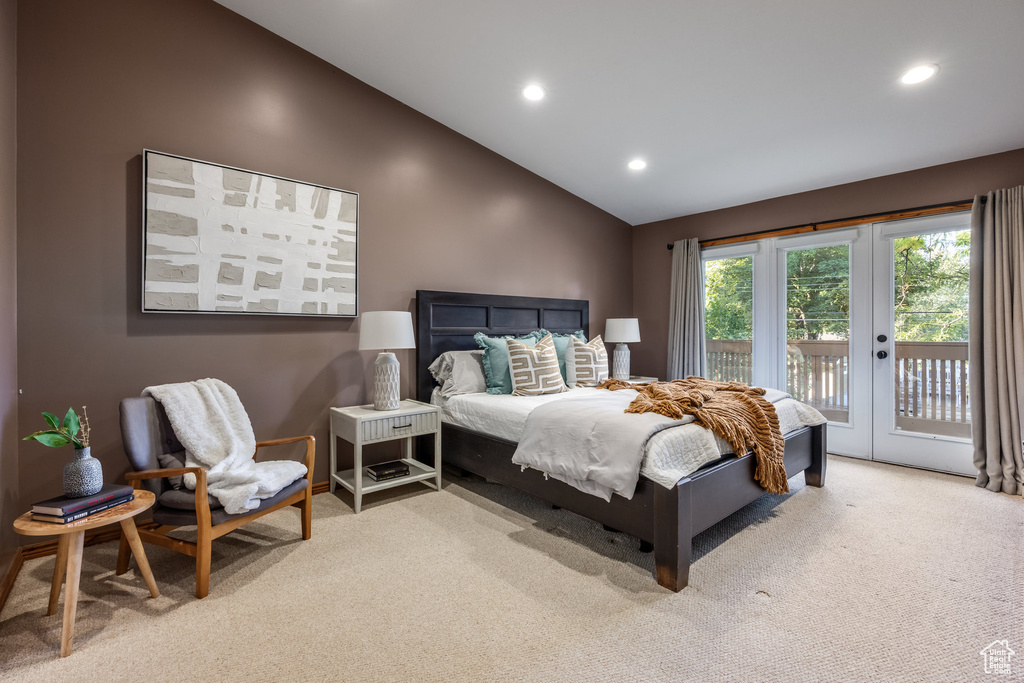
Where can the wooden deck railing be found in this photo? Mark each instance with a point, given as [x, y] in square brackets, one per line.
[931, 388]
[818, 374]
[729, 361]
[931, 380]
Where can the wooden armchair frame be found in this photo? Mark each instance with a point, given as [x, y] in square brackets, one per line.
[202, 549]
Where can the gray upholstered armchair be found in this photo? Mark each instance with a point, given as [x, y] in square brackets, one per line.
[157, 457]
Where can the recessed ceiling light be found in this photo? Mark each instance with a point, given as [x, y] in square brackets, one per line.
[637, 164]
[919, 73]
[533, 92]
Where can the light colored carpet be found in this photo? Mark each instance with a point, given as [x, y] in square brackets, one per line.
[886, 574]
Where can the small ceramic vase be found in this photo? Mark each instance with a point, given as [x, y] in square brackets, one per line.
[83, 476]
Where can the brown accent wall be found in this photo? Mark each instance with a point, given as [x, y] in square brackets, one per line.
[101, 80]
[652, 262]
[9, 508]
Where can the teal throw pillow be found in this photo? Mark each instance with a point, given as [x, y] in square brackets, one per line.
[496, 372]
[561, 345]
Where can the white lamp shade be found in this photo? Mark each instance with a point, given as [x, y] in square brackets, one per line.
[386, 330]
[622, 330]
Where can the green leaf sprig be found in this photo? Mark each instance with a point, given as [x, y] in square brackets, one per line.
[61, 433]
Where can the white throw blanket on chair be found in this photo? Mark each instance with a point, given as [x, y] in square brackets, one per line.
[215, 430]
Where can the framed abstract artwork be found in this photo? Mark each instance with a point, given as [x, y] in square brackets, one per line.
[219, 239]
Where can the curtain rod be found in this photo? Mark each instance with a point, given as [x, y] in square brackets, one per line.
[933, 209]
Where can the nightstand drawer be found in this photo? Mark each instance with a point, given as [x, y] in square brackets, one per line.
[399, 426]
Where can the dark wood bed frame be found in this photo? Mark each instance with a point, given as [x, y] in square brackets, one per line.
[666, 518]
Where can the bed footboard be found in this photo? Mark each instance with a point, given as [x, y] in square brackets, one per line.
[708, 496]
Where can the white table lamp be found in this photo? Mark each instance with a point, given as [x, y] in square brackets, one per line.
[386, 330]
[621, 331]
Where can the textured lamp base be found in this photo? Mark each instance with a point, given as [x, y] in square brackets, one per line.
[387, 377]
[620, 362]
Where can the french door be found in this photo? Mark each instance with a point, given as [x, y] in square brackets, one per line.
[921, 404]
[824, 311]
[867, 324]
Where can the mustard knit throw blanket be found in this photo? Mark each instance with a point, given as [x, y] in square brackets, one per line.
[731, 410]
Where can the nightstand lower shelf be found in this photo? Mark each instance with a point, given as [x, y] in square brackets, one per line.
[418, 471]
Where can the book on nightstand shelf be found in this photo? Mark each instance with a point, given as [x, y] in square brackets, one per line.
[387, 470]
[81, 514]
[62, 506]
[385, 477]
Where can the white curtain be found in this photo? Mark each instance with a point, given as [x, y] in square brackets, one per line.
[997, 339]
[686, 312]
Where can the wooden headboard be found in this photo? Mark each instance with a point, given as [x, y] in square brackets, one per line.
[447, 321]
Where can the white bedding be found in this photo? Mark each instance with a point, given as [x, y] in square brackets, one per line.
[671, 454]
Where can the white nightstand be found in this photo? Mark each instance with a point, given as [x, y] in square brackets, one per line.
[361, 425]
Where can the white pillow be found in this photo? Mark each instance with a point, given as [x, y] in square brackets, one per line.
[586, 363]
[459, 372]
[534, 369]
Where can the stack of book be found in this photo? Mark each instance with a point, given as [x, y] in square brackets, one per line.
[388, 470]
[62, 509]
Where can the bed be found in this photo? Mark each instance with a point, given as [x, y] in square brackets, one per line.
[666, 518]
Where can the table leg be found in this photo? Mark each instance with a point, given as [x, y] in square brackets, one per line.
[123, 555]
[132, 534]
[437, 457]
[59, 567]
[334, 456]
[407, 452]
[76, 542]
[357, 474]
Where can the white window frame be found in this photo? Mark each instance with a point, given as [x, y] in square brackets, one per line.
[760, 344]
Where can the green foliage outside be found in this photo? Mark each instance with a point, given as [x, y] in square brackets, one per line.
[931, 288]
[729, 298]
[931, 291]
[818, 293]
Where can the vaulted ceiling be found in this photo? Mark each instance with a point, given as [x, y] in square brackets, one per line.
[728, 101]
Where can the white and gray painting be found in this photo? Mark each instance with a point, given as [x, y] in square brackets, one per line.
[224, 240]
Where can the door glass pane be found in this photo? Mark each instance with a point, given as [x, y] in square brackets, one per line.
[818, 328]
[729, 318]
[932, 274]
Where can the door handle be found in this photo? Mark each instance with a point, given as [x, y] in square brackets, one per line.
[882, 354]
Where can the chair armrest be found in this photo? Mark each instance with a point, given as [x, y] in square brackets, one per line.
[168, 472]
[202, 500]
[279, 442]
[310, 450]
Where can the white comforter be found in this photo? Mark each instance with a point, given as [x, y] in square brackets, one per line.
[590, 442]
[670, 454]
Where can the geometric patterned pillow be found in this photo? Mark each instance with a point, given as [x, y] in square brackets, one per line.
[586, 364]
[534, 368]
[562, 345]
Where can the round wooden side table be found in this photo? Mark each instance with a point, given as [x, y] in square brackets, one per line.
[69, 553]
